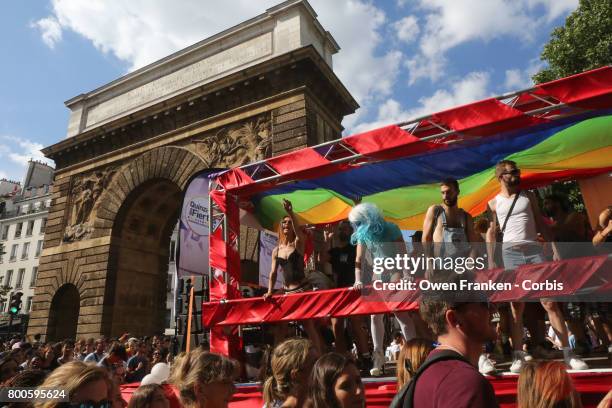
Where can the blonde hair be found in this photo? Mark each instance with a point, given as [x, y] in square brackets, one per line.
[412, 355]
[546, 384]
[200, 367]
[144, 395]
[288, 357]
[72, 376]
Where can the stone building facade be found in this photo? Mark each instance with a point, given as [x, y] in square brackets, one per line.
[23, 216]
[264, 87]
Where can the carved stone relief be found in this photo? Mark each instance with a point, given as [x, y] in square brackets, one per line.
[236, 145]
[84, 194]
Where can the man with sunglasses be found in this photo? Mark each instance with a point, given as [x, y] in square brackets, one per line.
[517, 216]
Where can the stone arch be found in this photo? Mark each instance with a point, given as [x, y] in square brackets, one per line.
[139, 211]
[64, 313]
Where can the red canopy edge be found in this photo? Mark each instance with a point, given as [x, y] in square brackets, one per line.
[486, 117]
[586, 90]
[345, 302]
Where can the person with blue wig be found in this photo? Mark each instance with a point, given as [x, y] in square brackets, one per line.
[377, 238]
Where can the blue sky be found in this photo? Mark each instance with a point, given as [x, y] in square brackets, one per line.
[399, 58]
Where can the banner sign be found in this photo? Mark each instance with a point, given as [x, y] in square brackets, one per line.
[194, 228]
[267, 242]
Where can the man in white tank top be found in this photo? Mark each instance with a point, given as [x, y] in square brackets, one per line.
[520, 247]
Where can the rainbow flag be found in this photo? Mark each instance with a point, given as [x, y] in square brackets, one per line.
[406, 187]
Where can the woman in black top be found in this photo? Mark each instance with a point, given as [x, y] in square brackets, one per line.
[288, 256]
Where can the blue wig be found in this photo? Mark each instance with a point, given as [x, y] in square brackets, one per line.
[368, 225]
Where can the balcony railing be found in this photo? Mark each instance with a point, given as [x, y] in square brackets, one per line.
[17, 213]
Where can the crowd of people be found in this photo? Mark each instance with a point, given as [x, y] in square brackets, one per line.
[441, 351]
[126, 359]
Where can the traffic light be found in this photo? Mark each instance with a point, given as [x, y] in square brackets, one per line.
[15, 305]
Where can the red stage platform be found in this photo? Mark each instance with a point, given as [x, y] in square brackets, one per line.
[592, 385]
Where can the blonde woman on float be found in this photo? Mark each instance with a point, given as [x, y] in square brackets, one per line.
[288, 261]
[377, 238]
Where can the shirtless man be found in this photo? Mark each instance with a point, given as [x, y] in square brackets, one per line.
[447, 223]
[451, 229]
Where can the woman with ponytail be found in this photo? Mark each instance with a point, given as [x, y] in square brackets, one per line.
[291, 364]
[204, 379]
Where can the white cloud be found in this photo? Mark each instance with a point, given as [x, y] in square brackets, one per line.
[517, 79]
[514, 79]
[143, 31]
[407, 29]
[474, 86]
[553, 8]
[50, 30]
[449, 23]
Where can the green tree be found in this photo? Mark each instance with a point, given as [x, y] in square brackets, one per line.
[583, 43]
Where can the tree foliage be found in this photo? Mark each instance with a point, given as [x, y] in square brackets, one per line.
[583, 43]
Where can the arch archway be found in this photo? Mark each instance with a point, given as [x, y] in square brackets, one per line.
[137, 279]
[141, 207]
[64, 313]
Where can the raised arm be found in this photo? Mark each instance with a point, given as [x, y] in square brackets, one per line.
[299, 233]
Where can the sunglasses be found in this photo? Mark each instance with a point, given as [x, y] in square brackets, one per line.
[514, 172]
[87, 404]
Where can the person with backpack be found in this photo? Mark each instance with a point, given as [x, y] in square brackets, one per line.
[449, 378]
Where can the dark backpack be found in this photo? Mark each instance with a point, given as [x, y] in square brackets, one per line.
[404, 397]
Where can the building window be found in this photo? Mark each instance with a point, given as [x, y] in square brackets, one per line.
[18, 229]
[43, 225]
[9, 278]
[34, 276]
[39, 246]
[2, 305]
[172, 250]
[1, 280]
[5, 231]
[26, 250]
[30, 228]
[29, 304]
[14, 252]
[20, 275]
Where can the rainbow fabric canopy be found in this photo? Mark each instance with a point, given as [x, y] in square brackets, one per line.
[554, 131]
